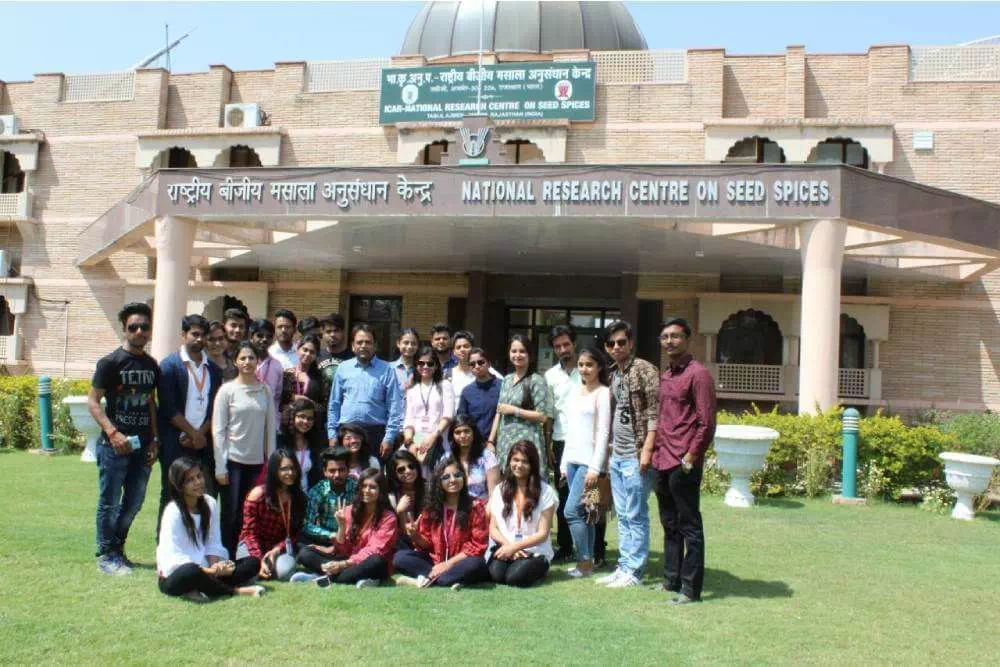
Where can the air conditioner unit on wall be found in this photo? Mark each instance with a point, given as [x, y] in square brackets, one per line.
[9, 126]
[242, 115]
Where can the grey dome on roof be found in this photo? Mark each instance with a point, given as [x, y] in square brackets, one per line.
[452, 28]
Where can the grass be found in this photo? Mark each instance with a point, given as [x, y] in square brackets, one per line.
[788, 582]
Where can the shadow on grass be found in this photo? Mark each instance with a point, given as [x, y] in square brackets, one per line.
[720, 584]
[781, 503]
[989, 516]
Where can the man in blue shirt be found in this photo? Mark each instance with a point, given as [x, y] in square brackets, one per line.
[366, 392]
[479, 399]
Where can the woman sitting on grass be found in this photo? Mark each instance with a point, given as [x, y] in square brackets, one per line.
[305, 437]
[190, 558]
[272, 518]
[408, 490]
[362, 549]
[354, 439]
[449, 537]
[521, 509]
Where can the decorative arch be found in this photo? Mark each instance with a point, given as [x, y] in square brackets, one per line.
[839, 149]
[433, 153]
[853, 343]
[7, 321]
[175, 157]
[523, 151]
[216, 307]
[749, 337]
[756, 150]
[239, 156]
[12, 178]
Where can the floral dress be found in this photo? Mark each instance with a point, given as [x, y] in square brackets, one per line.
[513, 429]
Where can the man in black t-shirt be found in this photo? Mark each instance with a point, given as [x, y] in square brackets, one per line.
[127, 379]
[335, 350]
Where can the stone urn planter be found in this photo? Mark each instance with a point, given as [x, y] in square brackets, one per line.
[968, 475]
[84, 423]
[740, 451]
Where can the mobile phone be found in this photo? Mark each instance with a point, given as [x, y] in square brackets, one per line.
[133, 440]
[323, 582]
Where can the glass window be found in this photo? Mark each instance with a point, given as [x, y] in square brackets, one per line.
[519, 317]
[384, 314]
[585, 319]
[549, 318]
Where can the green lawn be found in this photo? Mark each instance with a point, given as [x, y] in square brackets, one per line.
[791, 581]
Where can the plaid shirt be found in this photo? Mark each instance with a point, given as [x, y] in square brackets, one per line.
[321, 524]
[642, 382]
[263, 527]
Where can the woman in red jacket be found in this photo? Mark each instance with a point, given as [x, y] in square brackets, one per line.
[450, 535]
[272, 517]
[362, 549]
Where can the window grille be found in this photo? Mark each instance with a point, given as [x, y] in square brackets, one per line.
[108, 87]
[333, 75]
[955, 63]
[629, 67]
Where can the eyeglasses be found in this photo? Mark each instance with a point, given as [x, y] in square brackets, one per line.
[478, 362]
[139, 327]
[618, 342]
[426, 364]
[405, 467]
[449, 476]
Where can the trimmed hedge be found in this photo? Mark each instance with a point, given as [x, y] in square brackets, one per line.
[19, 424]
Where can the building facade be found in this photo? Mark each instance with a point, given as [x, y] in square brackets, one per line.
[918, 308]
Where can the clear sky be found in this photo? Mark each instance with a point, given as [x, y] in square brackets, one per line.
[99, 37]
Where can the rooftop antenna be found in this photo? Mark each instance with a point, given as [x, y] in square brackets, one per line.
[165, 50]
[479, 74]
[166, 42]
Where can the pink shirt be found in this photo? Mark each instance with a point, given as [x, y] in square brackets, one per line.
[426, 405]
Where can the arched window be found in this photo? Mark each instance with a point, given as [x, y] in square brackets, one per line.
[243, 157]
[6, 319]
[216, 307]
[521, 151]
[11, 175]
[840, 151]
[178, 158]
[749, 337]
[432, 152]
[756, 150]
[853, 343]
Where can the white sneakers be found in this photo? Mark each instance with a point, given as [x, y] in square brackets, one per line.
[608, 578]
[619, 579]
[367, 583]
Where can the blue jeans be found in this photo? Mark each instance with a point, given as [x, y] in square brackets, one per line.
[631, 489]
[582, 532]
[121, 490]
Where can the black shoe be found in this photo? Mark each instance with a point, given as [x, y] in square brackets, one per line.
[662, 587]
[126, 561]
[562, 556]
[600, 563]
[683, 599]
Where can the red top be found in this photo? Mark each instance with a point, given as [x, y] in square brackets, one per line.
[447, 538]
[687, 414]
[263, 527]
[375, 539]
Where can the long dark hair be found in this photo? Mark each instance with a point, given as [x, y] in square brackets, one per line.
[438, 375]
[313, 371]
[364, 453]
[527, 400]
[601, 361]
[358, 506]
[419, 484]
[175, 474]
[478, 442]
[272, 485]
[508, 487]
[435, 506]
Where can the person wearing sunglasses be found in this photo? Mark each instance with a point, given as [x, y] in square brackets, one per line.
[524, 406]
[449, 537]
[365, 541]
[407, 491]
[128, 379]
[479, 398]
[465, 373]
[635, 389]
[430, 405]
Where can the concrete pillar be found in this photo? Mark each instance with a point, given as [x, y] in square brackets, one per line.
[710, 348]
[875, 354]
[174, 244]
[14, 353]
[822, 259]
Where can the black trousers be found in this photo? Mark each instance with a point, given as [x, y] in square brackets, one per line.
[242, 478]
[522, 572]
[373, 567]
[563, 538]
[190, 577]
[468, 571]
[678, 494]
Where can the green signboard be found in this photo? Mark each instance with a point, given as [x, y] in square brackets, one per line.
[523, 91]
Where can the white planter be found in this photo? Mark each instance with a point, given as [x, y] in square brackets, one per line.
[968, 475]
[740, 451]
[85, 423]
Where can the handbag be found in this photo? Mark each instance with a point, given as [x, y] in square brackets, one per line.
[597, 500]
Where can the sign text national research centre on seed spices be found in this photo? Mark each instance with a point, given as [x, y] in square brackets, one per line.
[522, 91]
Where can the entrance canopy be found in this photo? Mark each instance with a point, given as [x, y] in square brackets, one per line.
[555, 219]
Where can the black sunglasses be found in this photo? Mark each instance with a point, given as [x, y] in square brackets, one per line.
[618, 342]
[139, 327]
[478, 362]
[426, 364]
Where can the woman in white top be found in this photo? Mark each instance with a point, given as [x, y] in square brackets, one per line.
[190, 558]
[588, 420]
[521, 509]
[243, 434]
[430, 406]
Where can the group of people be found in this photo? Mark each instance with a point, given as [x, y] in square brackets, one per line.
[333, 466]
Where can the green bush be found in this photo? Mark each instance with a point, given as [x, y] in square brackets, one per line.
[19, 423]
[975, 433]
[906, 456]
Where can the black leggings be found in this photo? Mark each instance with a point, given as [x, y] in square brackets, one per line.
[522, 572]
[373, 567]
[190, 577]
[468, 571]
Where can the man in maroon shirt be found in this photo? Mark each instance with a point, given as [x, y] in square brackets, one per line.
[685, 428]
